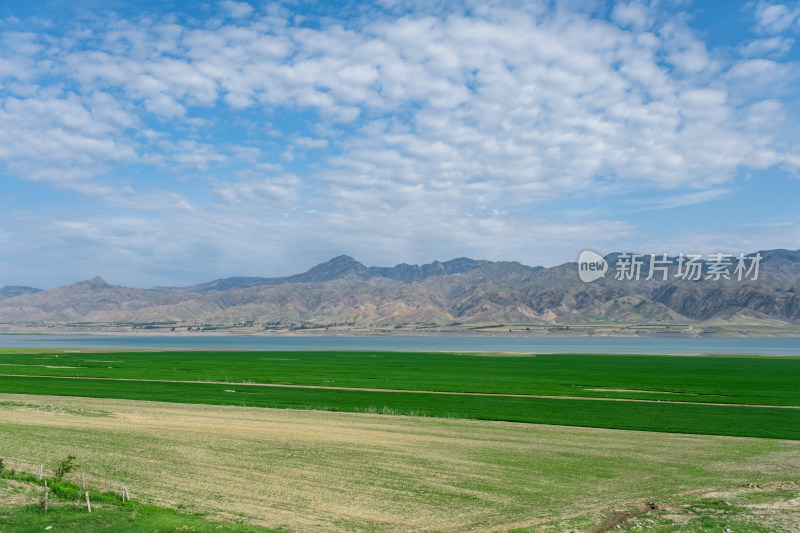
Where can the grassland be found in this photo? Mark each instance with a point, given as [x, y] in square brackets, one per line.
[323, 471]
[489, 446]
[738, 395]
[755, 380]
[21, 511]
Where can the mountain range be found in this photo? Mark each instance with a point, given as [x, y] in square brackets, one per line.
[461, 291]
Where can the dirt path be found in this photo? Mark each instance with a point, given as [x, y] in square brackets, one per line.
[367, 389]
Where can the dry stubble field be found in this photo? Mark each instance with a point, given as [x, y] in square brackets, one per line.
[310, 470]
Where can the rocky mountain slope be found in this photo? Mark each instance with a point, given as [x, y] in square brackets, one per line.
[463, 290]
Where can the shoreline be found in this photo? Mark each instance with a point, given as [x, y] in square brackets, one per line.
[622, 332]
[707, 345]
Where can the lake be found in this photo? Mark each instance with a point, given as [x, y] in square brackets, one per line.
[646, 345]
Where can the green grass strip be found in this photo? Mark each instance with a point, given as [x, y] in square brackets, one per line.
[659, 417]
[740, 379]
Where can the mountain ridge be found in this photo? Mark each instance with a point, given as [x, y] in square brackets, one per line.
[462, 290]
[342, 265]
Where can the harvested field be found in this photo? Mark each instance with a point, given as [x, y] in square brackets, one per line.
[304, 470]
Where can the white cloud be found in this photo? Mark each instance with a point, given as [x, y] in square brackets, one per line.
[543, 103]
[61, 140]
[761, 73]
[497, 82]
[632, 14]
[236, 9]
[436, 126]
[682, 200]
[193, 154]
[777, 17]
[283, 189]
[771, 46]
[308, 143]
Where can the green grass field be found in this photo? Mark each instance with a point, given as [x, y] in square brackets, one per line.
[673, 393]
[730, 379]
[67, 511]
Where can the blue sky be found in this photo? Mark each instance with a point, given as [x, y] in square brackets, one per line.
[169, 142]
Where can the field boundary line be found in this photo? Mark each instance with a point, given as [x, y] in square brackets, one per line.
[397, 391]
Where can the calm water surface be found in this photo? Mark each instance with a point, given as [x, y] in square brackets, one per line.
[647, 345]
